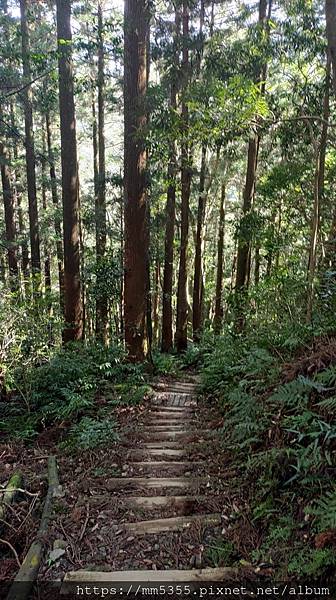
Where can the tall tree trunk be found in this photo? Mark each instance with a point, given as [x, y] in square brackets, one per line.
[136, 224]
[8, 198]
[101, 301]
[218, 317]
[167, 292]
[257, 265]
[198, 275]
[181, 336]
[330, 12]
[156, 296]
[18, 192]
[244, 244]
[30, 151]
[47, 260]
[320, 154]
[73, 310]
[57, 220]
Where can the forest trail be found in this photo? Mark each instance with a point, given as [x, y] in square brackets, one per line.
[168, 488]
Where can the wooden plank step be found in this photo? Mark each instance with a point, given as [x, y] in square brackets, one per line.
[173, 409]
[152, 502]
[163, 463]
[154, 482]
[157, 452]
[164, 435]
[197, 576]
[149, 428]
[162, 445]
[171, 524]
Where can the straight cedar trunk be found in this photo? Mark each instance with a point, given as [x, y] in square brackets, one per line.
[136, 234]
[320, 152]
[244, 244]
[47, 259]
[57, 220]
[330, 13]
[218, 316]
[101, 301]
[30, 151]
[22, 232]
[8, 199]
[73, 310]
[181, 335]
[167, 291]
[198, 275]
[156, 295]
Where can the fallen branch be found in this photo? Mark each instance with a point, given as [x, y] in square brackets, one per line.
[29, 569]
[13, 550]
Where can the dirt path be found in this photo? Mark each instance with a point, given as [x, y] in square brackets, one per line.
[163, 502]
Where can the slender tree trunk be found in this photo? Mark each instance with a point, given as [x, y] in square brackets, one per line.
[320, 154]
[101, 301]
[198, 275]
[167, 292]
[8, 198]
[30, 151]
[218, 317]
[18, 191]
[181, 336]
[47, 260]
[73, 310]
[257, 265]
[136, 212]
[57, 220]
[244, 244]
[330, 12]
[156, 297]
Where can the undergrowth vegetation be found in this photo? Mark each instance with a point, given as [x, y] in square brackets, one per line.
[76, 387]
[279, 406]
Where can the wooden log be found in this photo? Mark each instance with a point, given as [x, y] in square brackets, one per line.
[28, 572]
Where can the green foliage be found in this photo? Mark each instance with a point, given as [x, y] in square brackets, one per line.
[90, 433]
[324, 511]
[220, 553]
[308, 562]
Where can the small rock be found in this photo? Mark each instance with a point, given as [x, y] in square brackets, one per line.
[59, 544]
[55, 555]
[130, 538]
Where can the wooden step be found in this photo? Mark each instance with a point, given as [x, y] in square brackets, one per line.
[197, 576]
[152, 502]
[162, 445]
[163, 463]
[165, 435]
[172, 409]
[164, 452]
[170, 524]
[154, 482]
[153, 427]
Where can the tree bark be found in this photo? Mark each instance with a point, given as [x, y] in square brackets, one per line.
[181, 336]
[8, 198]
[57, 220]
[30, 152]
[218, 317]
[47, 260]
[198, 275]
[101, 301]
[136, 225]
[167, 292]
[320, 154]
[73, 310]
[244, 243]
[330, 13]
[17, 189]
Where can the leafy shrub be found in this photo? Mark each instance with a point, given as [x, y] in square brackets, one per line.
[90, 433]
